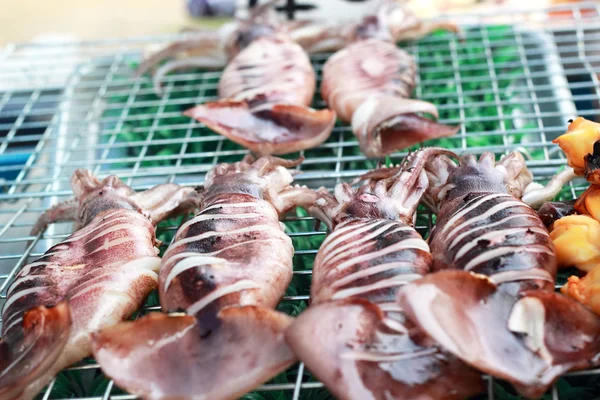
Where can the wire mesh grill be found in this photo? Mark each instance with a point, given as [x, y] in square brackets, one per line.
[511, 82]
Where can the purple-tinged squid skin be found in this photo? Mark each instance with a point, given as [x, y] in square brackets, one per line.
[354, 336]
[220, 279]
[265, 92]
[369, 82]
[492, 303]
[95, 278]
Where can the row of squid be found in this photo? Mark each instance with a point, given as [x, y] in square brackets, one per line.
[269, 82]
[392, 316]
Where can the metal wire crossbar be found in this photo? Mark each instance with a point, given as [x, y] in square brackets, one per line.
[511, 82]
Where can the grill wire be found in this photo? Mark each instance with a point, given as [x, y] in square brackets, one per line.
[512, 81]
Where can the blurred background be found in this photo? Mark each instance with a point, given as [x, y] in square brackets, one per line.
[60, 20]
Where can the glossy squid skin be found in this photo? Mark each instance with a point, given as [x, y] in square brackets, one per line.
[496, 235]
[492, 304]
[368, 84]
[95, 278]
[226, 270]
[354, 336]
[265, 92]
[243, 258]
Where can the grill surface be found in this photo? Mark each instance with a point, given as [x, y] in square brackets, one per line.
[511, 82]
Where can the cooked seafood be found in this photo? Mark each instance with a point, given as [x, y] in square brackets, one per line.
[550, 212]
[493, 305]
[578, 142]
[403, 24]
[212, 49]
[369, 83]
[265, 91]
[221, 277]
[95, 278]
[354, 337]
[577, 237]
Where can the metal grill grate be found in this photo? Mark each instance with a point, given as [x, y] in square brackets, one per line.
[511, 82]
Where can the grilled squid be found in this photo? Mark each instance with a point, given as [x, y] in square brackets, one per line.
[212, 49]
[265, 92]
[369, 83]
[220, 279]
[95, 278]
[492, 303]
[354, 336]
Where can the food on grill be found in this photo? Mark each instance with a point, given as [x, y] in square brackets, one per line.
[535, 194]
[265, 91]
[97, 277]
[577, 242]
[577, 237]
[550, 212]
[221, 277]
[369, 83]
[578, 142]
[354, 337]
[492, 303]
[321, 36]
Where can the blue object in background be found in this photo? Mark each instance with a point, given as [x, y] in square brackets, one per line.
[16, 160]
[208, 8]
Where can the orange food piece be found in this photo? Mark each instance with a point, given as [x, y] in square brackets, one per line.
[578, 142]
[589, 202]
[585, 290]
[576, 239]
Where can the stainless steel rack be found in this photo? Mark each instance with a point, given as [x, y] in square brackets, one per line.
[511, 81]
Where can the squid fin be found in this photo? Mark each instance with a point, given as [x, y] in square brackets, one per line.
[385, 124]
[275, 129]
[348, 346]
[26, 353]
[528, 340]
[180, 356]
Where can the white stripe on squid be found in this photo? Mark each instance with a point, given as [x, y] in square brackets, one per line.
[486, 227]
[365, 238]
[489, 213]
[362, 243]
[27, 269]
[220, 292]
[501, 251]
[20, 294]
[384, 283]
[406, 244]
[184, 254]
[256, 228]
[191, 262]
[470, 207]
[11, 317]
[201, 215]
[108, 244]
[521, 275]
[494, 235]
[207, 217]
[132, 229]
[12, 324]
[375, 270]
[20, 280]
[378, 357]
[106, 221]
[344, 233]
[395, 325]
